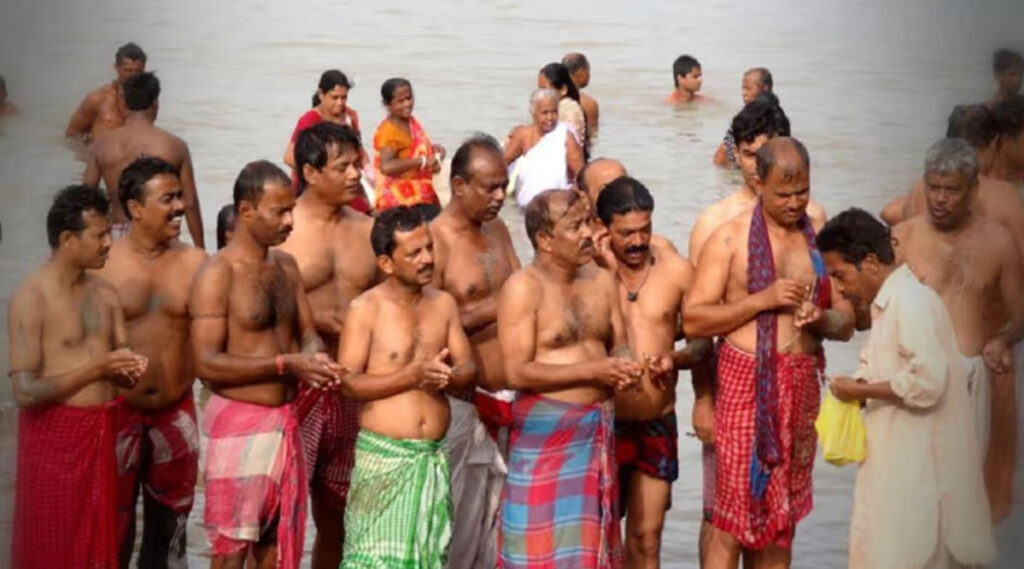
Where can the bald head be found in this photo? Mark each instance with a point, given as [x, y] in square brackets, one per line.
[597, 174]
[579, 68]
[787, 157]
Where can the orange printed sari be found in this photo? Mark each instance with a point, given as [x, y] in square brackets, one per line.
[411, 187]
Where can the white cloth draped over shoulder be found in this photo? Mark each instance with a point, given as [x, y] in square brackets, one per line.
[544, 167]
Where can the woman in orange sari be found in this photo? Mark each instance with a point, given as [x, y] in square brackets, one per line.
[403, 155]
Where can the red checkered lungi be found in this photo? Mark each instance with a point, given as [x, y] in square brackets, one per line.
[329, 424]
[788, 498]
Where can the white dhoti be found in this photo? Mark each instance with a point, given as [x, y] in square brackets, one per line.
[980, 388]
[477, 479]
[544, 167]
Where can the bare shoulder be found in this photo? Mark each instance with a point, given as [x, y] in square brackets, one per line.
[730, 233]
[525, 283]
[441, 300]
[286, 262]
[215, 267]
[676, 265]
[28, 295]
[663, 243]
[102, 288]
[497, 228]
[190, 257]
[365, 303]
[816, 212]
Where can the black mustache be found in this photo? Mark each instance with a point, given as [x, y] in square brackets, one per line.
[588, 242]
[637, 249]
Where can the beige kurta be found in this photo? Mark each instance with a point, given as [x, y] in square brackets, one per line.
[920, 496]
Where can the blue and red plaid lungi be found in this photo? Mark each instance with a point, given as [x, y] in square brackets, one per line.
[559, 502]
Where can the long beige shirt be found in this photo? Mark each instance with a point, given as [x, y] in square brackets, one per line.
[921, 488]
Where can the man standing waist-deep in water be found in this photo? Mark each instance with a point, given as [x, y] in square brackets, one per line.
[410, 348]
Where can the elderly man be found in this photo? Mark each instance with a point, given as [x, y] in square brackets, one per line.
[543, 155]
[755, 81]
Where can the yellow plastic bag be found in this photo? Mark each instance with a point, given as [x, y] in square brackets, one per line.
[841, 431]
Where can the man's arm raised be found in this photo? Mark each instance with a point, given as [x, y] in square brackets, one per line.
[193, 213]
[25, 330]
[354, 354]
[706, 312]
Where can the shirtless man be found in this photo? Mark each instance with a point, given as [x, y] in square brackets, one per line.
[111, 152]
[158, 440]
[69, 356]
[103, 109]
[564, 344]
[1009, 165]
[687, 79]
[1007, 68]
[331, 244]
[579, 72]
[974, 266]
[652, 284]
[474, 257]
[756, 80]
[995, 199]
[253, 339]
[410, 348]
[762, 285]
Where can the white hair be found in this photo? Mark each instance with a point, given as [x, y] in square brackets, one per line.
[541, 95]
[952, 155]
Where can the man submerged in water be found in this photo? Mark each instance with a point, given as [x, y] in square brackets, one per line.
[103, 109]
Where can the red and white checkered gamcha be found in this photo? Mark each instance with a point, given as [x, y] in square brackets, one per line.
[329, 424]
[788, 498]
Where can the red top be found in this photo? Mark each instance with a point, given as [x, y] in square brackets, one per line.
[312, 117]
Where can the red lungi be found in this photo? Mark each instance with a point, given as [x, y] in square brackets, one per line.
[329, 424]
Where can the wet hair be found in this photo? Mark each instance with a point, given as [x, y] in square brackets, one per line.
[759, 117]
[328, 81]
[131, 51]
[766, 154]
[854, 234]
[1004, 60]
[1009, 115]
[312, 145]
[388, 88]
[131, 184]
[575, 62]
[141, 91]
[402, 218]
[764, 77]
[542, 94]
[69, 205]
[253, 179]
[463, 156]
[427, 210]
[538, 211]
[621, 196]
[974, 123]
[683, 65]
[558, 76]
[226, 218]
[950, 155]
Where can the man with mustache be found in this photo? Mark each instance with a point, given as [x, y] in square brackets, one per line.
[69, 356]
[103, 109]
[565, 349]
[158, 440]
[405, 347]
[331, 244]
[652, 284]
[474, 257]
[973, 264]
[918, 501]
[253, 340]
[112, 152]
[761, 284]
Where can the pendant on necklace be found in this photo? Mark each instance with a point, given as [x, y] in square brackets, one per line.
[632, 296]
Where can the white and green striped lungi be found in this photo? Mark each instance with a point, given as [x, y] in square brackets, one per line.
[399, 513]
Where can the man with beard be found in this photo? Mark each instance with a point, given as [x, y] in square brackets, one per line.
[652, 284]
[103, 109]
[545, 154]
[565, 349]
[69, 355]
[331, 244]
[974, 266]
[762, 285]
[410, 347]
[158, 440]
[254, 339]
[918, 502]
[474, 257]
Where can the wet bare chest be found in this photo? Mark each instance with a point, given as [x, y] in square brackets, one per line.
[404, 334]
[153, 289]
[263, 298]
[567, 317]
[476, 271]
[79, 322]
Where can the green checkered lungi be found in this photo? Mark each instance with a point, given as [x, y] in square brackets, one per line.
[399, 512]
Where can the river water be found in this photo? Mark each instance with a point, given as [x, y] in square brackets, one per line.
[867, 85]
